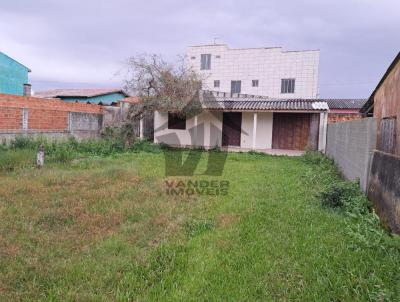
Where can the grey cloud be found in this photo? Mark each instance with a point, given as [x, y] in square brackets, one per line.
[75, 43]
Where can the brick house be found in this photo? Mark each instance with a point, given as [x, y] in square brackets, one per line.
[344, 109]
[384, 106]
[92, 96]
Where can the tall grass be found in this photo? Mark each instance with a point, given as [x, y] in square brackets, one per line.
[345, 197]
[11, 160]
[21, 152]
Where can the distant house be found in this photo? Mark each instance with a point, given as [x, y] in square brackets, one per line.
[13, 76]
[92, 96]
[384, 106]
[344, 109]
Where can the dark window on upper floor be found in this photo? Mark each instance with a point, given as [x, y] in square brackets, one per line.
[176, 121]
[216, 83]
[205, 63]
[254, 83]
[236, 86]
[287, 85]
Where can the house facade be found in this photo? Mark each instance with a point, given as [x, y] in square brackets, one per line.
[270, 72]
[384, 106]
[13, 76]
[92, 96]
[246, 123]
[344, 109]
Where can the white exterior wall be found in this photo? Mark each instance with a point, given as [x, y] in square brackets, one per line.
[212, 131]
[267, 65]
[263, 132]
[323, 127]
[210, 137]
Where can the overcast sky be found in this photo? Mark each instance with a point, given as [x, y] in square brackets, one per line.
[76, 43]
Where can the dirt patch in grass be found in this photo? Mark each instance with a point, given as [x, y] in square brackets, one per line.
[8, 249]
[226, 219]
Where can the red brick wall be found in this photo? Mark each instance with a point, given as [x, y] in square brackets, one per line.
[40, 119]
[10, 118]
[43, 114]
[340, 117]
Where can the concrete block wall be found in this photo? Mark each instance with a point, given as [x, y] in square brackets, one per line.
[351, 145]
[85, 125]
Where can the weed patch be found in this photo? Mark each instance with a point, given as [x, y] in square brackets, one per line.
[198, 227]
[362, 223]
[11, 160]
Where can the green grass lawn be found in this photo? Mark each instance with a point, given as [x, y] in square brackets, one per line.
[104, 229]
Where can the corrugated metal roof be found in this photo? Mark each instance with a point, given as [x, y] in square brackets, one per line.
[223, 100]
[264, 104]
[345, 103]
[77, 92]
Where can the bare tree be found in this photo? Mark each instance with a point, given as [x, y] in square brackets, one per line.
[162, 85]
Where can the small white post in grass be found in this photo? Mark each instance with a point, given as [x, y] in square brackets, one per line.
[195, 130]
[141, 128]
[40, 157]
[254, 130]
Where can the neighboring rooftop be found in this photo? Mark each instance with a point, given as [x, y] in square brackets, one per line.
[131, 100]
[345, 103]
[82, 93]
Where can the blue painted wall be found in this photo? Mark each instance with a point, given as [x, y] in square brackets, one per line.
[105, 99]
[13, 75]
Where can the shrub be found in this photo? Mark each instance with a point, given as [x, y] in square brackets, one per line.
[338, 193]
[146, 146]
[22, 142]
[61, 154]
[315, 158]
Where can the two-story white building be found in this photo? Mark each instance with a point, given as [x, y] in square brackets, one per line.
[253, 99]
[271, 72]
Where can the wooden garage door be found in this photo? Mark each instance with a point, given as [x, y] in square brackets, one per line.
[291, 131]
[231, 128]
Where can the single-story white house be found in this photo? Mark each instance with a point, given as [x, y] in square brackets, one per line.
[242, 122]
